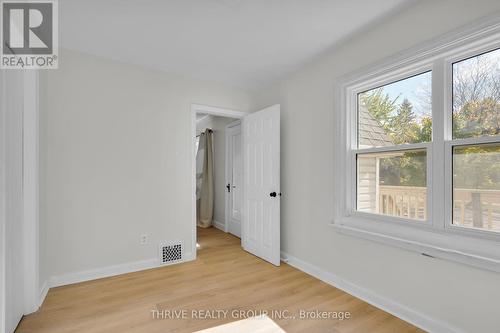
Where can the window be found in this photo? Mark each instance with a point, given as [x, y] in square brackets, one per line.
[393, 180]
[476, 186]
[476, 96]
[396, 113]
[421, 163]
[393, 183]
[476, 165]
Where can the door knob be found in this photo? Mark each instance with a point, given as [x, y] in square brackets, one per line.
[273, 194]
[228, 186]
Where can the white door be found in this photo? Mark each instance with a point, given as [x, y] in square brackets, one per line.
[261, 188]
[234, 178]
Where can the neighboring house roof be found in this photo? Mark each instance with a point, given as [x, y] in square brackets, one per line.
[370, 132]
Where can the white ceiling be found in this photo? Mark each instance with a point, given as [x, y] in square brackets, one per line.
[245, 43]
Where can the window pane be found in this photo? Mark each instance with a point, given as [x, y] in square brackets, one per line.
[393, 183]
[397, 113]
[476, 186]
[476, 96]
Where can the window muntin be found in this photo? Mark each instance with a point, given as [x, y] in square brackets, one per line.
[476, 186]
[396, 113]
[476, 96]
[393, 183]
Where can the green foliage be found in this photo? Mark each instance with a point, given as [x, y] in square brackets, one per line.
[477, 118]
[406, 169]
[477, 167]
[425, 130]
[380, 106]
[476, 113]
[401, 126]
[398, 121]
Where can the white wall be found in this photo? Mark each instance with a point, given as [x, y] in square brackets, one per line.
[118, 160]
[458, 295]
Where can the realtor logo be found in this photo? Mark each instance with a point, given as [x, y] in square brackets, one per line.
[29, 34]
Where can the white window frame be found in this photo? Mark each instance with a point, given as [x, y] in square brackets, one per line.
[436, 236]
[352, 93]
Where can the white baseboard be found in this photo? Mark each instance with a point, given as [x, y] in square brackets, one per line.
[401, 311]
[414, 317]
[187, 257]
[70, 278]
[219, 225]
[98, 273]
[43, 293]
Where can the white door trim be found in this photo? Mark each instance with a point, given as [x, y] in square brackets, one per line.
[228, 173]
[214, 111]
[3, 164]
[32, 288]
[24, 96]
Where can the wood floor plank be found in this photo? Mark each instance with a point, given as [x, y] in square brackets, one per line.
[225, 278]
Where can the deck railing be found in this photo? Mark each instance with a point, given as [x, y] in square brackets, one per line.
[477, 208]
[471, 208]
[403, 201]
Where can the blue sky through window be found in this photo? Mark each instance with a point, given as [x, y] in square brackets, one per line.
[416, 89]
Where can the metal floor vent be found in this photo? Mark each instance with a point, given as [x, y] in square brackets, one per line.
[171, 252]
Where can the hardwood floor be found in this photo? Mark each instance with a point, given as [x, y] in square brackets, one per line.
[224, 277]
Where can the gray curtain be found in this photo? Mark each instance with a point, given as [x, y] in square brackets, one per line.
[205, 180]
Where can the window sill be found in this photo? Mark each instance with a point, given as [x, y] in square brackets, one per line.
[477, 252]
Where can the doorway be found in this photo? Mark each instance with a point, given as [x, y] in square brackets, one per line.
[251, 184]
[219, 185]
